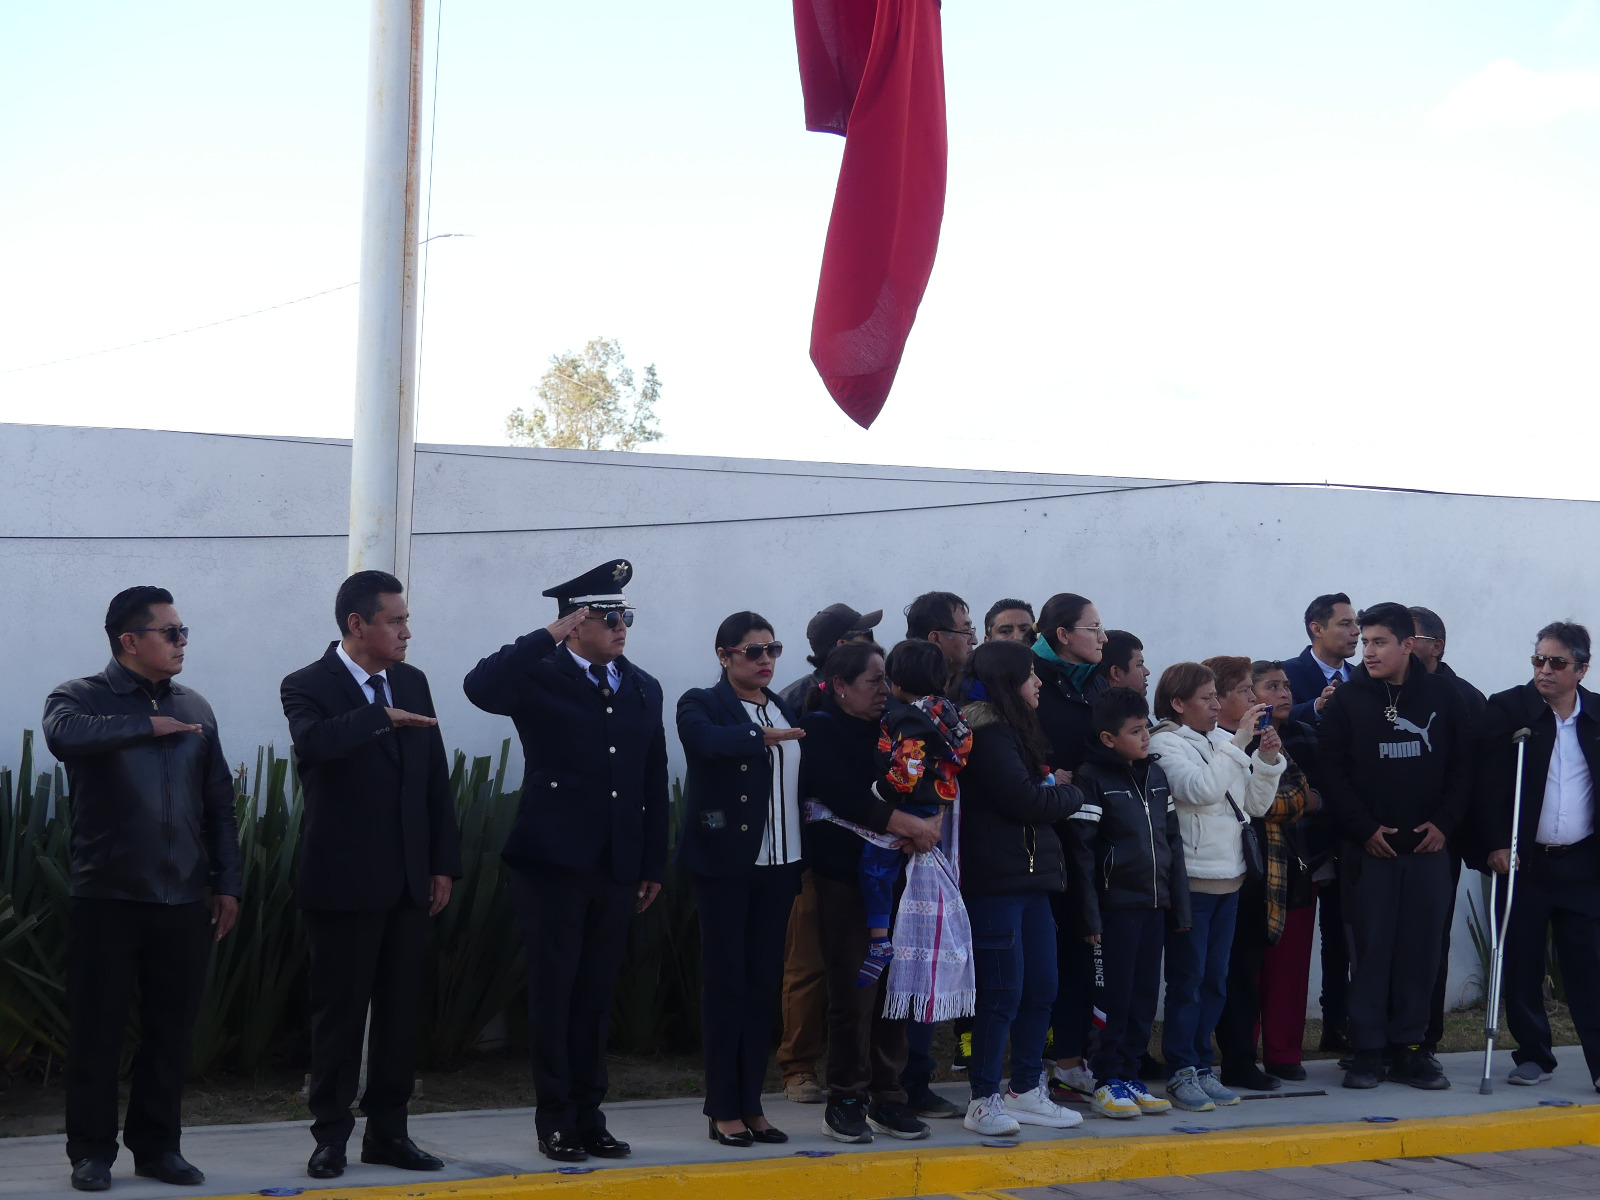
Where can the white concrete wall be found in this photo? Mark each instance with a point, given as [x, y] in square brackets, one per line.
[249, 534]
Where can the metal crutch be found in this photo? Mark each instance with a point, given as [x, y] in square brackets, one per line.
[1497, 929]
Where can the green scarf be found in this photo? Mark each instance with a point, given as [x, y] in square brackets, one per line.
[1078, 674]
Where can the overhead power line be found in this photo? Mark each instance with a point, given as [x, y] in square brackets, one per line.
[55, 362]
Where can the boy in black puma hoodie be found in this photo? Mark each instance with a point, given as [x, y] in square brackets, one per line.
[1395, 757]
[1128, 878]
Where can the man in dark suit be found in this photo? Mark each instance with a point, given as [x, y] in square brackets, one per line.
[379, 852]
[1314, 673]
[589, 846]
[1558, 875]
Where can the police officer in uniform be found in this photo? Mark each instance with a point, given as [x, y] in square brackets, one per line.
[589, 845]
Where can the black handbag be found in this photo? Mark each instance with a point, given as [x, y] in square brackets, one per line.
[1255, 862]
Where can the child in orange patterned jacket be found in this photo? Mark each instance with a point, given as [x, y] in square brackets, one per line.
[922, 745]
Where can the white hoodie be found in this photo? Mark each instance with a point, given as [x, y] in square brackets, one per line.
[1202, 770]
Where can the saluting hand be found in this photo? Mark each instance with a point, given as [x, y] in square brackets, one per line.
[771, 737]
[164, 726]
[648, 891]
[400, 717]
[562, 627]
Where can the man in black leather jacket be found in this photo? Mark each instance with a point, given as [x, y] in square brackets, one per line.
[153, 831]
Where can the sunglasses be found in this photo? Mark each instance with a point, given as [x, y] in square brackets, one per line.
[1555, 664]
[755, 650]
[615, 617]
[173, 633]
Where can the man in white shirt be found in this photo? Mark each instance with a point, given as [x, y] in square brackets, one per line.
[1558, 884]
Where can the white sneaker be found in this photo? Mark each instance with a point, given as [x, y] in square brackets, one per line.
[988, 1116]
[1150, 1105]
[1036, 1108]
[1078, 1080]
[1112, 1099]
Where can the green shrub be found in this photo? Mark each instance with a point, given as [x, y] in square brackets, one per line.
[252, 1015]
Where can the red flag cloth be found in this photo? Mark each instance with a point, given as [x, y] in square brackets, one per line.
[873, 70]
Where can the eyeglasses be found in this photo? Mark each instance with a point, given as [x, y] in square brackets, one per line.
[755, 650]
[624, 617]
[1555, 664]
[173, 633]
[1095, 629]
[969, 633]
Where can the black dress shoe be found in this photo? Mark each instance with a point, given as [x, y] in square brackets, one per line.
[398, 1152]
[172, 1168]
[601, 1144]
[1293, 1072]
[740, 1140]
[1249, 1077]
[770, 1136]
[564, 1145]
[91, 1175]
[327, 1161]
[1333, 1040]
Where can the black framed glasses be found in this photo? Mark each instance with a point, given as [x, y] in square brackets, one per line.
[755, 650]
[615, 617]
[175, 634]
[1554, 663]
[969, 633]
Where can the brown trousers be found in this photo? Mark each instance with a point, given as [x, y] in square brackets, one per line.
[866, 1051]
[805, 988]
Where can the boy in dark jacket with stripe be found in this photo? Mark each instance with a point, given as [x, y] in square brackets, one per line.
[1129, 880]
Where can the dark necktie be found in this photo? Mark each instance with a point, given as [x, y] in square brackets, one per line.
[379, 692]
[599, 675]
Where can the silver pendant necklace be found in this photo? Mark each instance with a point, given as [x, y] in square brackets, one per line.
[1392, 713]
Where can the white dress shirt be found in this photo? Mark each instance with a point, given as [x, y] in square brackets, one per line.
[1567, 814]
[368, 683]
[781, 842]
[613, 672]
[1341, 672]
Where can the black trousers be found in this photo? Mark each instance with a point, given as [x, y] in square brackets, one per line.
[110, 945]
[574, 925]
[1335, 956]
[1395, 910]
[743, 923]
[357, 959]
[1069, 1016]
[1442, 980]
[1241, 1013]
[866, 1050]
[1127, 982]
[1561, 896]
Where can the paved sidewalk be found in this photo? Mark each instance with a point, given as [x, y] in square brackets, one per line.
[1563, 1172]
[242, 1159]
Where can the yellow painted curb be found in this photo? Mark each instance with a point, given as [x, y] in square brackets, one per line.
[974, 1169]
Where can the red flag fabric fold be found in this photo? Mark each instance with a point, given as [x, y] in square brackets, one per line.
[873, 70]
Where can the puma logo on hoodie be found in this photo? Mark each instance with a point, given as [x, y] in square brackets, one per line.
[1409, 749]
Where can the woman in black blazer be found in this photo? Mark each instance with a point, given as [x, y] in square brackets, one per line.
[741, 841]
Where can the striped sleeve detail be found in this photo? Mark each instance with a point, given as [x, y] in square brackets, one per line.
[1089, 812]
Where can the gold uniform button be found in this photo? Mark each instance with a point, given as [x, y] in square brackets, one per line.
[613, 749]
[552, 783]
[608, 710]
[613, 795]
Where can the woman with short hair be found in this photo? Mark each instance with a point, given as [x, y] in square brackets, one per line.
[1218, 787]
[741, 840]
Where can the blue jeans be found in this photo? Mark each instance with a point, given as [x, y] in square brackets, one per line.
[1014, 951]
[1197, 981]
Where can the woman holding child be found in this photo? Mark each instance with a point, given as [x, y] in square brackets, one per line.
[839, 769]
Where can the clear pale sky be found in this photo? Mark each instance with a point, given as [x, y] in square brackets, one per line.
[1356, 242]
